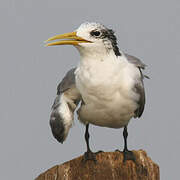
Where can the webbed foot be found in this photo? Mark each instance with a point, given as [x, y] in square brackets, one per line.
[98, 152]
[89, 155]
[128, 155]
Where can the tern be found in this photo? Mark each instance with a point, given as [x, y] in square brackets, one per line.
[107, 83]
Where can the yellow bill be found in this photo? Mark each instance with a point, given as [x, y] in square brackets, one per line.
[69, 39]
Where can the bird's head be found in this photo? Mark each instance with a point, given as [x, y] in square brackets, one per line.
[89, 38]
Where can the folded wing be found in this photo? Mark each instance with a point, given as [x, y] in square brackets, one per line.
[139, 85]
[65, 103]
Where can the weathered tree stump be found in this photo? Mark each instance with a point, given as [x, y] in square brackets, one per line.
[109, 166]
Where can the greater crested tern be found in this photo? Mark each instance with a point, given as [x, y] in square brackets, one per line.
[107, 82]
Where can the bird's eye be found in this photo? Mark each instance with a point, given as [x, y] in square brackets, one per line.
[95, 33]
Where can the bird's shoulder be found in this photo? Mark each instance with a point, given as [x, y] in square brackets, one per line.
[67, 82]
[136, 61]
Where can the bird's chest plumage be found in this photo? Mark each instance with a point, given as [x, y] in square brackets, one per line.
[96, 79]
[106, 92]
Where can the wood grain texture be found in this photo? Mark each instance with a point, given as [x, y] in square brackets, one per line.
[109, 166]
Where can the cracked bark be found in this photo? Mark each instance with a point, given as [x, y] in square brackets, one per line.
[109, 166]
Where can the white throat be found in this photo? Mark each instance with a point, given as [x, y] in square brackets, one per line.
[100, 53]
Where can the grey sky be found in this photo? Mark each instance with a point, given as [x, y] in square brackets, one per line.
[30, 72]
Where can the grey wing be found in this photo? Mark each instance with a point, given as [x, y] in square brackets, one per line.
[67, 82]
[139, 85]
[65, 103]
[134, 60]
[139, 89]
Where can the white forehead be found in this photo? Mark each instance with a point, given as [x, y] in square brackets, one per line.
[88, 27]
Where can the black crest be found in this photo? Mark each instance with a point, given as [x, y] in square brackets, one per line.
[109, 34]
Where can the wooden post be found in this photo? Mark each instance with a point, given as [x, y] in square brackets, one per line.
[109, 166]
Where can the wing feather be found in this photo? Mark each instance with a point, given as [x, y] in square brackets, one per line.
[65, 103]
[139, 85]
[139, 89]
[134, 60]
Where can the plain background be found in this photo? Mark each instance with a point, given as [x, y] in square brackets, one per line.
[30, 73]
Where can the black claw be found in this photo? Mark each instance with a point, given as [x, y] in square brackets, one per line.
[128, 155]
[89, 155]
[98, 152]
[117, 150]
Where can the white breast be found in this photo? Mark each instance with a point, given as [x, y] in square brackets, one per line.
[106, 88]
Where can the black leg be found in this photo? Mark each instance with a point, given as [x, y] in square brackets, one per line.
[89, 155]
[125, 135]
[87, 137]
[128, 155]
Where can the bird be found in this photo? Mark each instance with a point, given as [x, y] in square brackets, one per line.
[106, 87]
